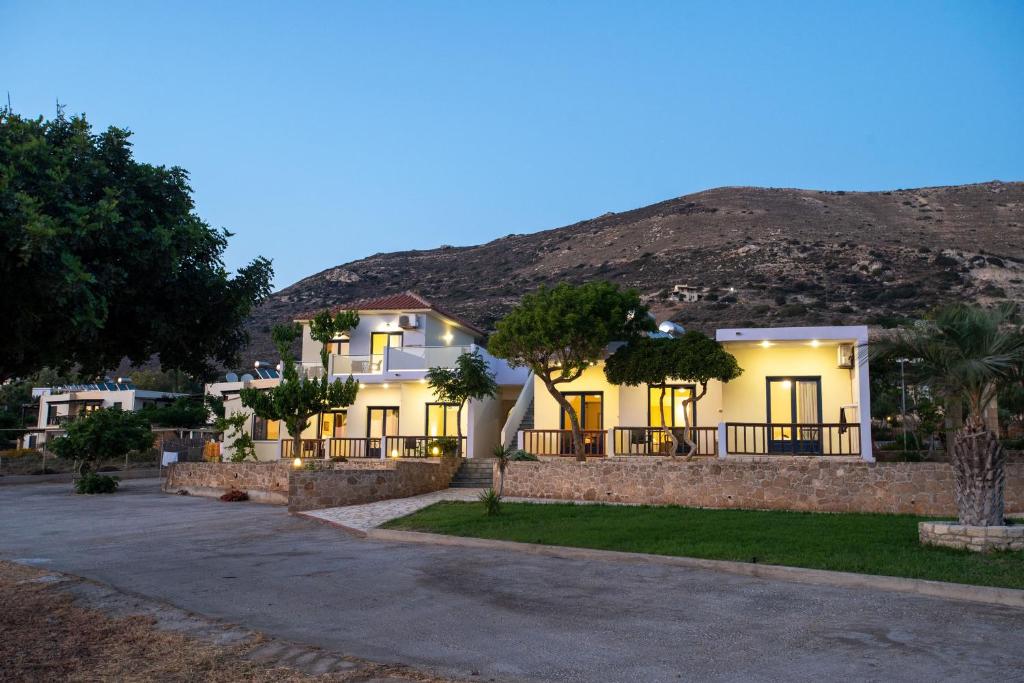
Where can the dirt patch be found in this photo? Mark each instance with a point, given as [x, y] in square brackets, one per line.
[57, 627]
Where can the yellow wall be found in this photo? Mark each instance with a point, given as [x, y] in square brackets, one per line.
[743, 399]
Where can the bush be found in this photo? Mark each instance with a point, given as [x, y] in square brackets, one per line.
[235, 496]
[491, 501]
[520, 454]
[444, 445]
[96, 483]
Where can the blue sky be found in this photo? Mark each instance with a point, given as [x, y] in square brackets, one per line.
[325, 132]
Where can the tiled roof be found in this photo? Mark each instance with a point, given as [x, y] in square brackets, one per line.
[406, 301]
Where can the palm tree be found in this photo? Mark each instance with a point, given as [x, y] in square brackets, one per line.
[964, 355]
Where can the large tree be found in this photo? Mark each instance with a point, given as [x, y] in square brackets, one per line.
[102, 434]
[655, 362]
[103, 257]
[965, 355]
[298, 397]
[559, 332]
[469, 379]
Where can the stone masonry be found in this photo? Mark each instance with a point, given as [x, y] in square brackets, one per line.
[265, 482]
[777, 483]
[309, 490]
[977, 538]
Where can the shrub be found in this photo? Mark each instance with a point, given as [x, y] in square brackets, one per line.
[96, 483]
[444, 445]
[339, 458]
[520, 454]
[491, 501]
[235, 496]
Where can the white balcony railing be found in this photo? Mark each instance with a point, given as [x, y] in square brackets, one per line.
[423, 357]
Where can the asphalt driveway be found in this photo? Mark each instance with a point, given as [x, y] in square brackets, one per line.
[497, 615]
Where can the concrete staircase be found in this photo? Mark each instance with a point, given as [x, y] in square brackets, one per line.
[475, 473]
[527, 422]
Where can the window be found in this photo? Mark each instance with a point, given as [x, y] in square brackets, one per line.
[675, 395]
[334, 425]
[442, 419]
[51, 415]
[265, 430]
[589, 408]
[338, 347]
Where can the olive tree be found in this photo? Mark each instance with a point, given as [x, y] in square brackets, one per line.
[655, 362]
[298, 398]
[102, 434]
[965, 355]
[470, 379]
[559, 332]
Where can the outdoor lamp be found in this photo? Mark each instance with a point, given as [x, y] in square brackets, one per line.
[394, 453]
[297, 462]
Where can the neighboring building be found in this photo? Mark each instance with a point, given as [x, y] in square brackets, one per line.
[395, 414]
[688, 293]
[60, 405]
[804, 390]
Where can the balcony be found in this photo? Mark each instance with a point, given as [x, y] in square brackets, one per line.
[394, 359]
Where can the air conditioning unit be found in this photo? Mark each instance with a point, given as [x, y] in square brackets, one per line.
[844, 356]
[409, 321]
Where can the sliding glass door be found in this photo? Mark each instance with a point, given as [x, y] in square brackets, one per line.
[794, 413]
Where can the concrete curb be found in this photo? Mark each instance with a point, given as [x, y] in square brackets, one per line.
[359, 533]
[1005, 597]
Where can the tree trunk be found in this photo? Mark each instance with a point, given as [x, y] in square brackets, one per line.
[691, 446]
[501, 480]
[979, 471]
[669, 432]
[574, 421]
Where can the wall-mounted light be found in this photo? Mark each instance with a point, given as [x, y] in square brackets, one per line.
[385, 385]
[448, 337]
[786, 384]
[766, 344]
[815, 343]
[394, 453]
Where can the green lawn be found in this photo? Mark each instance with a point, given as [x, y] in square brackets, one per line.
[865, 543]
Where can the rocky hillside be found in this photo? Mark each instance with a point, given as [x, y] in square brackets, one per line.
[757, 256]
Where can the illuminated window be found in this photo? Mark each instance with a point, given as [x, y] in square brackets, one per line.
[265, 430]
[442, 419]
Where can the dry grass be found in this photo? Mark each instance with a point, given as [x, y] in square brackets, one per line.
[45, 636]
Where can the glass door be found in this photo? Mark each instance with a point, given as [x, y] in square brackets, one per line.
[794, 414]
[380, 422]
[379, 343]
[677, 416]
[589, 409]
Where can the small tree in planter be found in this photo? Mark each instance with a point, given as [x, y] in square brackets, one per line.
[559, 332]
[965, 354]
[104, 433]
[296, 399]
[469, 379]
[693, 356]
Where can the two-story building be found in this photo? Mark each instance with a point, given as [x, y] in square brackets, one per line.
[398, 339]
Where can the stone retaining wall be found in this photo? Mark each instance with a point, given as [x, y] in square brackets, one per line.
[265, 482]
[777, 483]
[308, 490]
[976, 538]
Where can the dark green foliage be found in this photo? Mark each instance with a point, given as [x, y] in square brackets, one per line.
[691, 357]
[101, 435]
[91, 482]
[863, 543]
[296, 399]
[103, 257]
[559, 332]
[183, 413]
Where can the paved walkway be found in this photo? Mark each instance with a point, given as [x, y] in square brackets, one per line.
[487, 614]
[370, 515]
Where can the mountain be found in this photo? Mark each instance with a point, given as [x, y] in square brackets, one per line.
[758, 256]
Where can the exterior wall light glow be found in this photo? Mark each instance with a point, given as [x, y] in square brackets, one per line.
[394, 453]
[786, 384]
[297, 462]
[435, 450]
[815, 343]
[448, 337]
[385, 385]
[766, 344]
